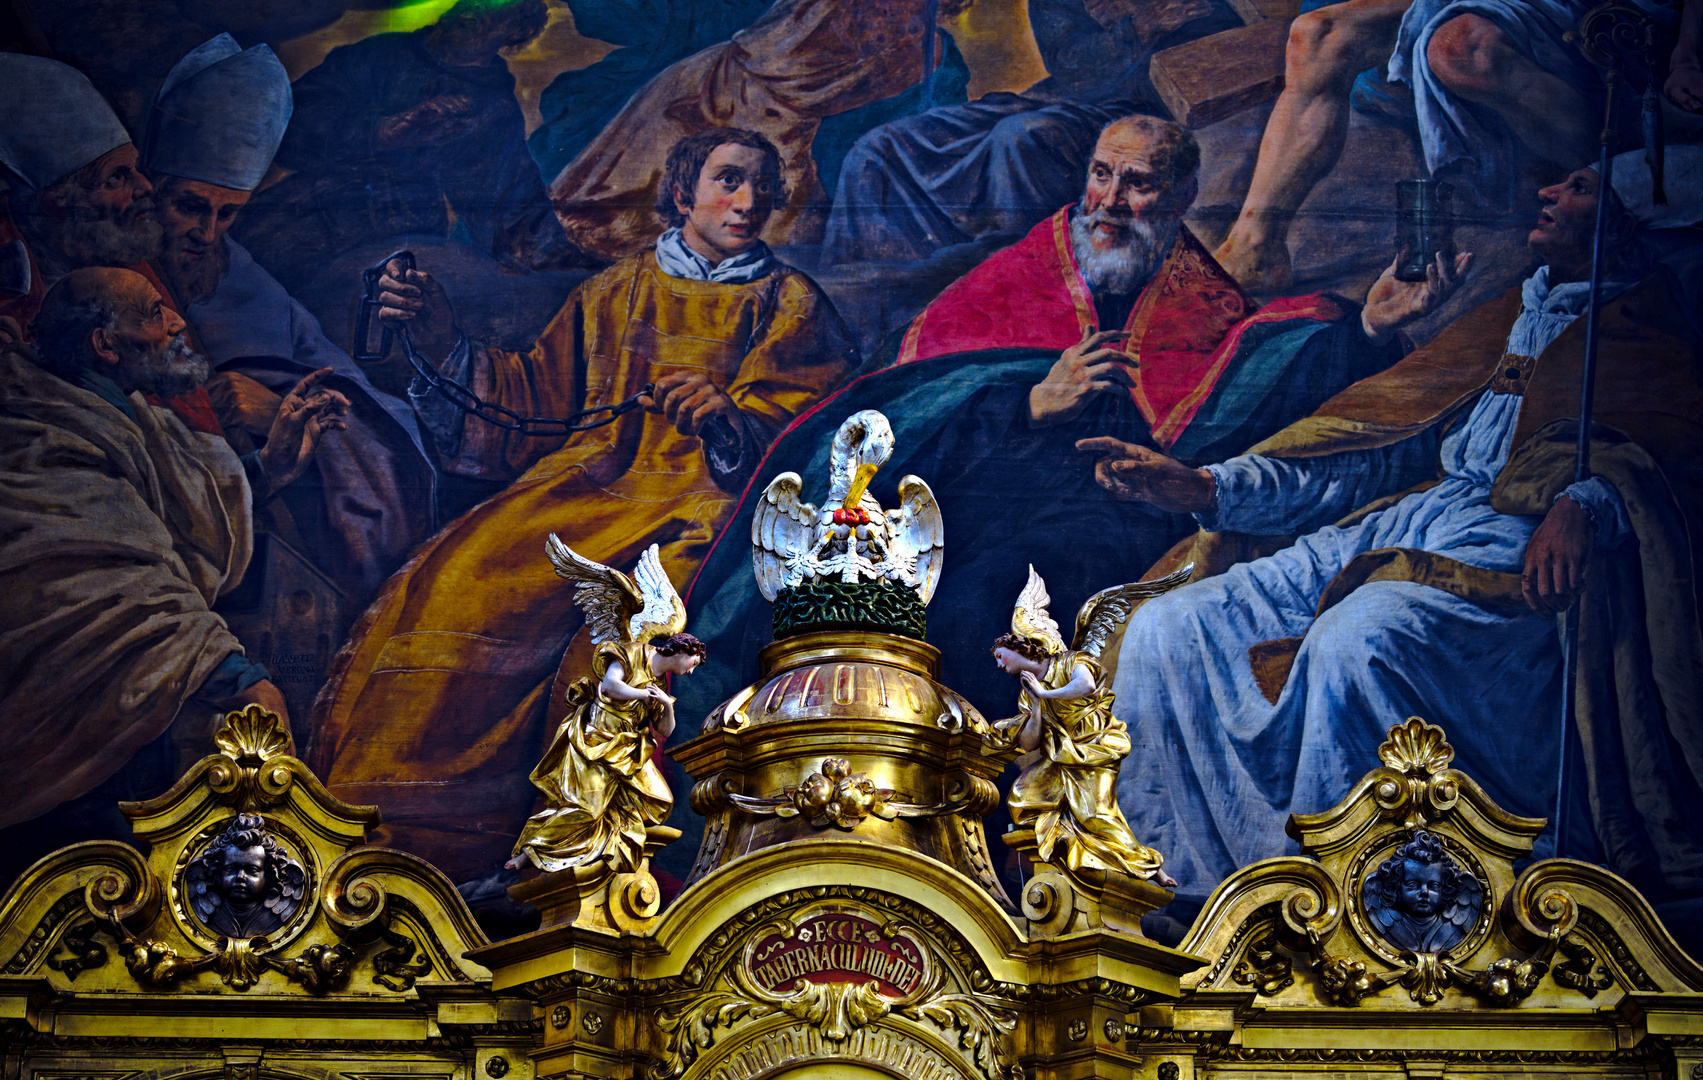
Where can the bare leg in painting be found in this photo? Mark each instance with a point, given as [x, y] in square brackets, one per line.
[1474, 58]
[1471, 57]
[1328, 48]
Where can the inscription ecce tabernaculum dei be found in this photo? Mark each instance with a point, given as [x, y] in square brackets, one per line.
[837, 948]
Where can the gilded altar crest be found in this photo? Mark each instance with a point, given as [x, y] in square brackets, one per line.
[1406, 896]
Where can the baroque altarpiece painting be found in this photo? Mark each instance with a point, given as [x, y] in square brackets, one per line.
[502, 394]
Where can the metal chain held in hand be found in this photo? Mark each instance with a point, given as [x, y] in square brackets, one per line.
[462, 397]
[459, 394]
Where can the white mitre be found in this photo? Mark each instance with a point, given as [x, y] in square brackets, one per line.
[1682, 182]
[220, 115]
[54, 121]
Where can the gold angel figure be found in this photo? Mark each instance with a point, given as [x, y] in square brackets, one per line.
[601, 787]
[1069, 796]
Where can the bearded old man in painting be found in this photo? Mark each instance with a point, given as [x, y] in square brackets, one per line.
[123, 524]
[1108, 320]
[74, 194]
[368, 501]
[1460, 536]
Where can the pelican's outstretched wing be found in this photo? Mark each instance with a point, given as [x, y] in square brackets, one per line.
[608, 597]
[1107, 609]
[663, 612]
[784, 525]
[1029, 619]
[918, 533]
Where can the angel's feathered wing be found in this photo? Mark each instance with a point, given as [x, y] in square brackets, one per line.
[1107, 609]
[1383, 915]
[1029, 619]
[917, 531]
[1467, 905]
[618, 608]
[783, 525]
[663, 613]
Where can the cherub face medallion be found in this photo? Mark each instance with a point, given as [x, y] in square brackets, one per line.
[244, 884]
[1420, 899]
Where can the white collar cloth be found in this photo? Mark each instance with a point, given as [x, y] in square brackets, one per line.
[678, 260]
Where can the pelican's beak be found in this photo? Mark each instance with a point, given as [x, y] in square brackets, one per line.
[860, 483]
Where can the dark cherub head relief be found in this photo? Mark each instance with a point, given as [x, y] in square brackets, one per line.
[245, 884]
[1420, 899]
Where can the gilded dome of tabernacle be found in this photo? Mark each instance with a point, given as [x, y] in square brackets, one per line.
[840, 676]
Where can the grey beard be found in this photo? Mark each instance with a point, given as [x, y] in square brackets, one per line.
[176, 369]
[1120, 270]
[191, 282]
[89, 237]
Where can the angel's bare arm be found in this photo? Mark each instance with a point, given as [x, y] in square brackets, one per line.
[1081, 684]
[664, 724]
[615, 685]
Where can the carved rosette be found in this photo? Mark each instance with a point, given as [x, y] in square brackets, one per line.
[835, 795]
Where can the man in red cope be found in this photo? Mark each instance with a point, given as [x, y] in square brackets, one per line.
[1109, 317]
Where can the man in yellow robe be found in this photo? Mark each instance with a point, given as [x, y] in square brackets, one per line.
[438, 704]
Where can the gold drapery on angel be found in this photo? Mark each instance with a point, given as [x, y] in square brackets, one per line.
[1069, 797]
[600, 783]
[601, 786]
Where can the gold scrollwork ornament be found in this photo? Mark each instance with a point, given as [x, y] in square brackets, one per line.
[837, 1009]
[835, 795]
[241, 888]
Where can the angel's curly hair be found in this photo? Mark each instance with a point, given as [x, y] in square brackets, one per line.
[1022, 646]
[674, 644]
[1426, 850]
[245, 831]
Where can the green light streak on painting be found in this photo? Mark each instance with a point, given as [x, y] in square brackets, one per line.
[412, 16]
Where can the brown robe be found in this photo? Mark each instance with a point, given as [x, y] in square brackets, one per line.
[119, 533]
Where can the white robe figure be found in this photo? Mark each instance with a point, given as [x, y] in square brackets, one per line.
[1215, 768]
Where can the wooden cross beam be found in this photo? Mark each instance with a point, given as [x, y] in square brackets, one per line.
[1217, 76]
